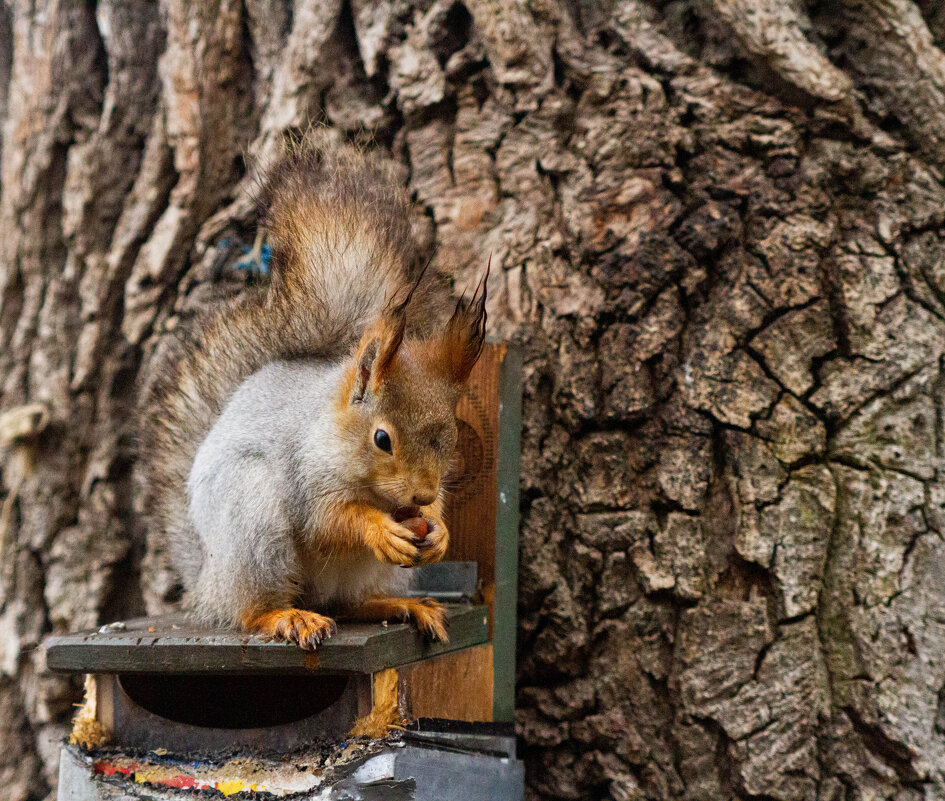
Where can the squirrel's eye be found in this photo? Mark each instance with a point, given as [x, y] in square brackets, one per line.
[382, 440]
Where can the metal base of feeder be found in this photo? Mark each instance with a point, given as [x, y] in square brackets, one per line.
[433, 764]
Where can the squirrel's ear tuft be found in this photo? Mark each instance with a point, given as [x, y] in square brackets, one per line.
[381, 341]
[465, 334]
[377, 352]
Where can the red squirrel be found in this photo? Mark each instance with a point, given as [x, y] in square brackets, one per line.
[283, 433]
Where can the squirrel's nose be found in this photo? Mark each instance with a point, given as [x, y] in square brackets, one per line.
[423, 500]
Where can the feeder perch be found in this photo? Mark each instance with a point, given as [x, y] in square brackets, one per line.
[189, 707]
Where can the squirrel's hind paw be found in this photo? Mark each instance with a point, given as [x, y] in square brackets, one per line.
[430, 617]
[308, 629]
[428, 614]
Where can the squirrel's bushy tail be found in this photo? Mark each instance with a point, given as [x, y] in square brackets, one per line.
[342, 249]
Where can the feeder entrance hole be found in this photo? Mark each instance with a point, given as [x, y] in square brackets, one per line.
[233, 702]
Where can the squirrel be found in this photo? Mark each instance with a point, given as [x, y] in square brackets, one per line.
[283, 432]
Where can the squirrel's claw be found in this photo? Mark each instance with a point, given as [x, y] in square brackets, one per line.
[308, 629]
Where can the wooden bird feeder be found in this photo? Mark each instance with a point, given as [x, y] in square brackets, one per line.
[169, 689]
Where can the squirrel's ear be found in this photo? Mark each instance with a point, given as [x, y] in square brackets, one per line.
[367, 353]
[381, 341]
[465, 334]
[377, 352]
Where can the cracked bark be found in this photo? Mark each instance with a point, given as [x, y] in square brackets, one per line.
[717, 229]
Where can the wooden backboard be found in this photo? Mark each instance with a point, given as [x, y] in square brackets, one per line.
[482, 507]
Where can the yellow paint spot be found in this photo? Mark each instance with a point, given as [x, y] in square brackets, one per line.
[231, 787]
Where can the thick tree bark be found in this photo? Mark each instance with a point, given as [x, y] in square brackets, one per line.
[718, 228]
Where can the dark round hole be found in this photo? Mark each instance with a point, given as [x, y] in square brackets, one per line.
[233, 702]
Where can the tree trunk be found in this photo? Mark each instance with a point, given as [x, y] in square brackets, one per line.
[718, 232]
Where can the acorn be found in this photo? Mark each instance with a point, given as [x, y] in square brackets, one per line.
[410, 518]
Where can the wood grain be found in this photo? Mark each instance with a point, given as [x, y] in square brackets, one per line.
[456, 686]
[471, 505]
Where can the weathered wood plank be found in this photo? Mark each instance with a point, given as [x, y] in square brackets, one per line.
[456, 686]
[173, 644]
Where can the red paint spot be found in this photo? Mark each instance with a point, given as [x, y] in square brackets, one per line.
[108, 769]
[181, 783]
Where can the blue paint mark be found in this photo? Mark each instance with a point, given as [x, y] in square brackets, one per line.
[255, 266]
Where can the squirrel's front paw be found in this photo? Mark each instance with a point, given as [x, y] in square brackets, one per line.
[433, 547]
[308, 629]
[395, 544]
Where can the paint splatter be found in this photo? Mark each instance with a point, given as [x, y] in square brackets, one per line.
[236, 775]
[231, 787]
[110, 769]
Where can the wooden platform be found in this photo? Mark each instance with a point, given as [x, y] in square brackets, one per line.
[173, 644]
